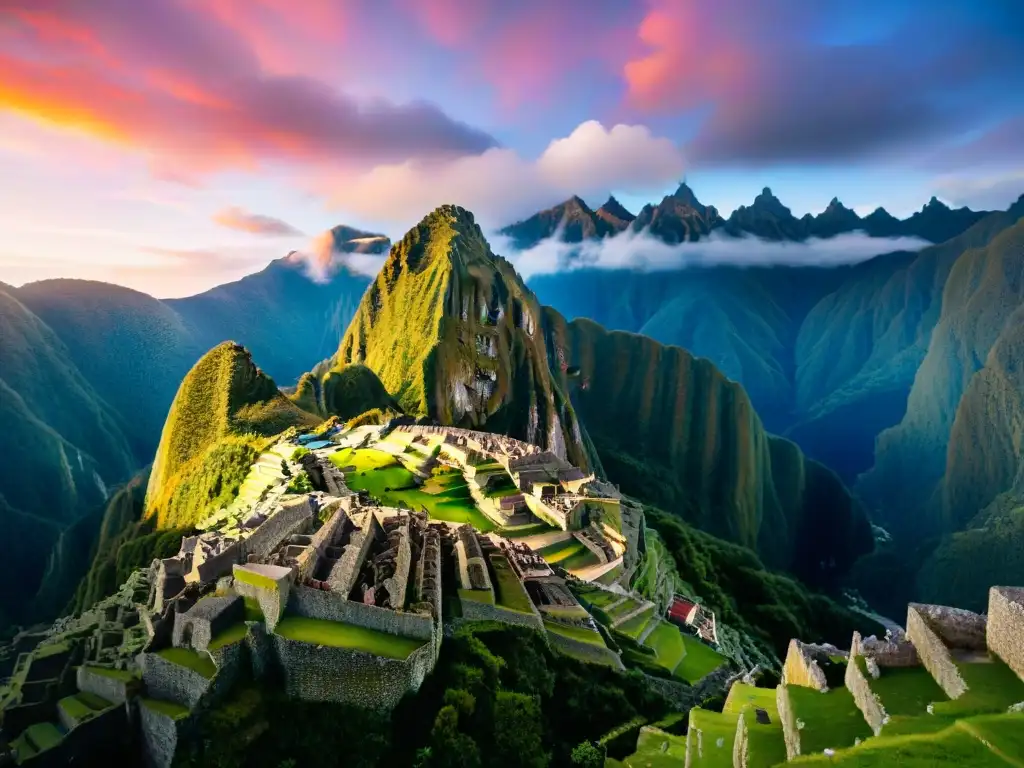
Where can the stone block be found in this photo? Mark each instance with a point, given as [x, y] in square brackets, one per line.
[933, 652]
[1005, 630]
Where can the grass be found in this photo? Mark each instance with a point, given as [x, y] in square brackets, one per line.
[339, 635]
[232, 634]
[635, 626]
[580, 634]
[253, 612]
[667, 642]
[601, 598]
[742, 696]
[699, 660]
[992, 687]
[477, 595]
[657, 749]
[620, 610]
[75, 709]
[832, 720]
[560, 550]
[766, 744]
[116, 674]
[904, 691]
[186, 657]
[958, 745]
[445, 496]
[522, 531]
[255, 579]
[37, 738]
[169, 708]
[580, 560]
[612, 576]
[717, 733]
[509, 592]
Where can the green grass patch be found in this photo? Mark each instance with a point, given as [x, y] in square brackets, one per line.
[253, 612]
[116, 674]
[75, 709]
[580, 634]
[339, 635]
[580, 560]
[186, 657]
[37, 738]
[832, 720]
[522, 531]
[954, 746]
[601, 598]
[742, 696]
[561, 550]
[699, 660]
[667, 642]
[254, 579]
[509, 591]
[1004, 732]
[171, 709]
[611, 576]
[992, 687]
[766, 744]
[622, 609]
[565, 611]
[636, 625]
[717, 734]
[657, 749]
[904, 691]
[231, 635]
[477, 595]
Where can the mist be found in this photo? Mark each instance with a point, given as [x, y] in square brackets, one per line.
[642, 251]
[321, 260]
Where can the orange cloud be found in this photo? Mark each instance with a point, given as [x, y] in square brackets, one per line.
[188, 91]
[254, 223]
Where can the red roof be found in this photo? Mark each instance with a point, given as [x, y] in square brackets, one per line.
[680, 609]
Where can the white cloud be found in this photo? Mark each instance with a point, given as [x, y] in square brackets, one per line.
[641, 251]
[500, 186]
[982, 193]
[321, 260]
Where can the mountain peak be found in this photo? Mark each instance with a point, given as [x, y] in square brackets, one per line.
[614, 210]
[935, 205]
[686, 196]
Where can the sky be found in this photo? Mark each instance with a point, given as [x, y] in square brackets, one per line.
[172, 145]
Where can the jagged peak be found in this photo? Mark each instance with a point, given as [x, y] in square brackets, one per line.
[686, 196]
[881, 213]
[935, 205]
[614, 208]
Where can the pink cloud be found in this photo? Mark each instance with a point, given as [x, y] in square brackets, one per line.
[189, 90]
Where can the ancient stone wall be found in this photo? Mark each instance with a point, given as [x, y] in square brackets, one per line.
[331, 606]
[329, 533]
[344, 573]
[272, 602]
[205, 620]
[956, 627]
[160, 736]
[1005, 632]
[933, 652]
[891, 651]
[104, 686]
[292, 517]
[398, 582]
[800, 667]
[216, 566]
[428, 573]
[318, 673]
[106, 733]
[173, 682]
[790, 730]
[867, 701]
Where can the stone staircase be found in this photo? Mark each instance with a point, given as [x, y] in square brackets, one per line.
[949, 692]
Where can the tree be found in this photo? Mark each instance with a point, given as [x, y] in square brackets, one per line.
[449, 747]
[588, 755]
[518, 731]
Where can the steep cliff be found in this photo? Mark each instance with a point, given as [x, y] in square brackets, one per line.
[672, 430]
[978, 295]
[223, 406]
[451, 330]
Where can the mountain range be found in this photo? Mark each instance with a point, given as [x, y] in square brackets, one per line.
[895, 377]
[681, 217]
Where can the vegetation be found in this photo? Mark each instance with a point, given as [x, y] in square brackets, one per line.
[339, 635]
[717, 733]
[225, 405]
[353, 390]
[186, 657]
[509, 592]
[698, 660]
[300, 484]
[171, 709]
[499, 696]
[231, 635]
[832, 719]
[655, 749]
[903, 691]
[580, 634]
[767, 607]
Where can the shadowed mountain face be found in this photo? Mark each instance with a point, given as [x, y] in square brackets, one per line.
[88, 371]
[450, 328]
[574, 218]
[678, 218]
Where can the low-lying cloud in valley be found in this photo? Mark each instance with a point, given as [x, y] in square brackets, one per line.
[642, 251]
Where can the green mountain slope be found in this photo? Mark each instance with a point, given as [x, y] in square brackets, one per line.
[62, 446]
[223, 407]
[450, 329]
[672, 430]
[979, 294]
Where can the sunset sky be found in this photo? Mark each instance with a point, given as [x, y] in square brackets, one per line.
[171, 145]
